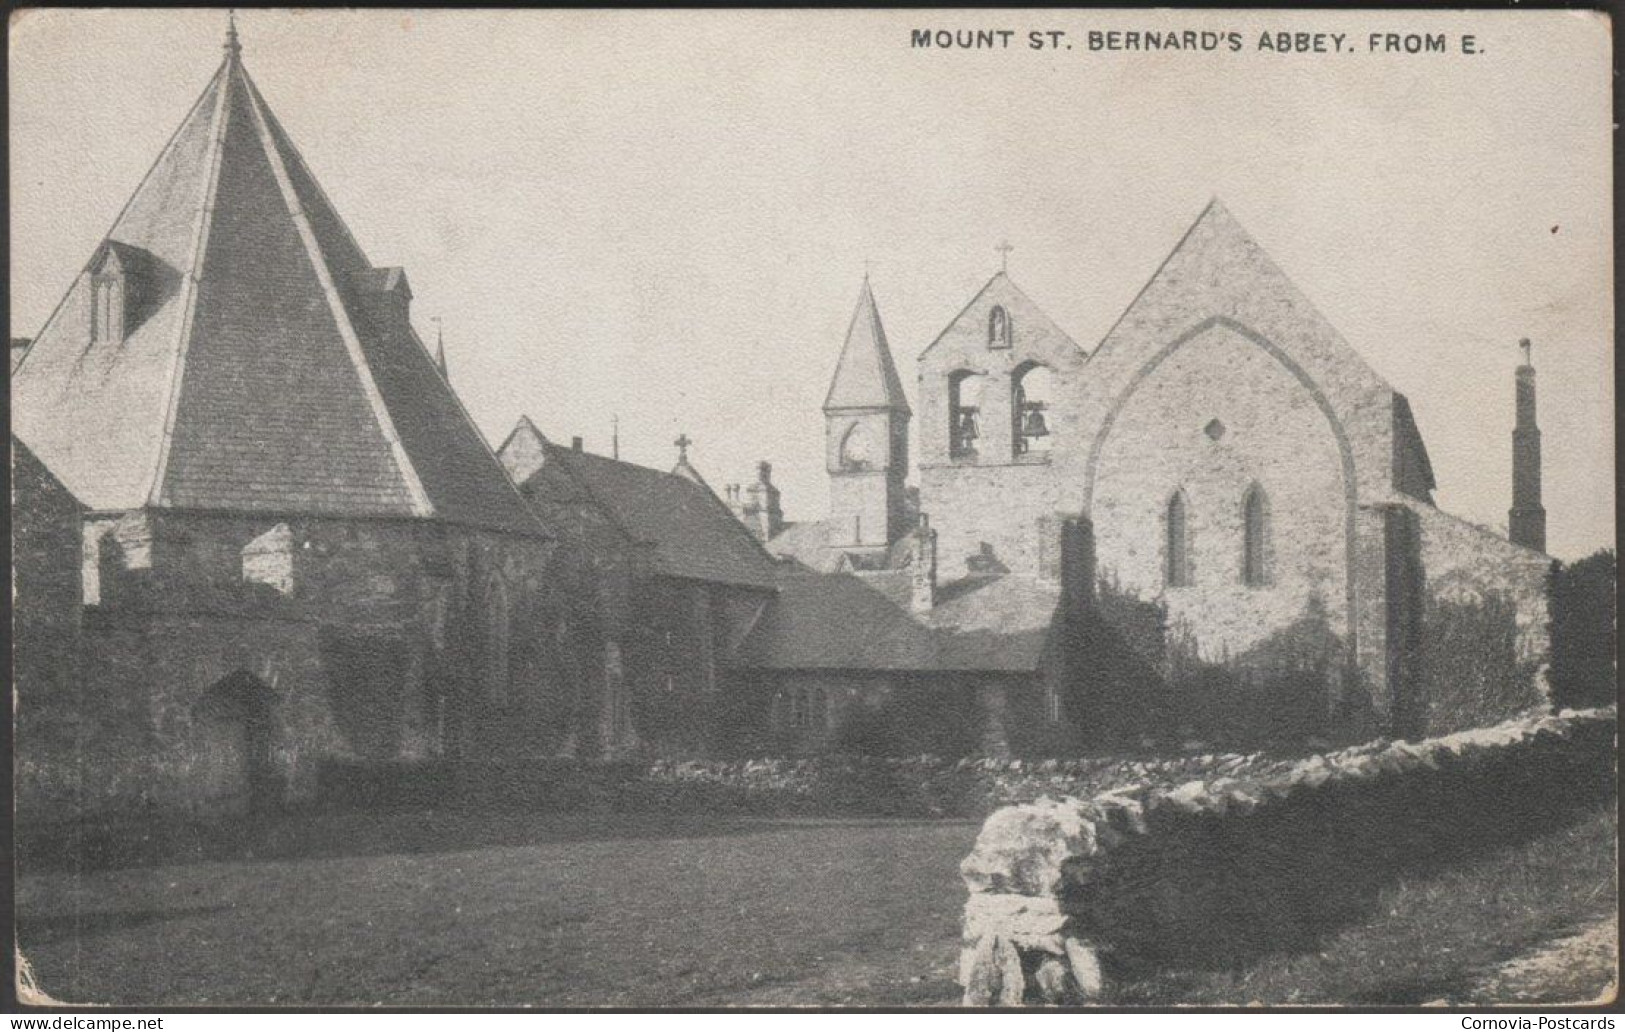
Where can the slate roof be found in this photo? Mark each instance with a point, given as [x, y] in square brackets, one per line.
[256, 371]
[839, 622]
[865, 375]
[805, 542]
[690, 532]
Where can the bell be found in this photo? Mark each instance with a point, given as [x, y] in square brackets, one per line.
[967, 426]
[1033, 425]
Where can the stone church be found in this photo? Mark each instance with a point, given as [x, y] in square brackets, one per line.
[1217, 524]
[255, 530]
[257, 537]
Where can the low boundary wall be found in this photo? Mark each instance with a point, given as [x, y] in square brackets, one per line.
[1063, 893]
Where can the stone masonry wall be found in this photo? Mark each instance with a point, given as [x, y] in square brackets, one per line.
[397, 639]
[1067, 894]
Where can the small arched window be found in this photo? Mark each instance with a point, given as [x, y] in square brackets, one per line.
[998, 328]
[1255, 537]
[1177, 571]
[857, 449]
[964, 412]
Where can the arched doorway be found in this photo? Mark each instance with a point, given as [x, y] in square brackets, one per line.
[234, 719]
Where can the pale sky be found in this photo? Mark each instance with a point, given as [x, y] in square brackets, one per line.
[667, 215]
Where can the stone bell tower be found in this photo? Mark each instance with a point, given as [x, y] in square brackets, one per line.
[1526, 522]
[866, 437]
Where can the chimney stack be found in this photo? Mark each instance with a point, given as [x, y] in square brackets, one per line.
[576, 444]
[760, 510]
[923, 597]
[1526, 521]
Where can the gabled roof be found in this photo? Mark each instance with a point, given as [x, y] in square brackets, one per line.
[865, 376]
[840, 622]
[689, 531]
[256, 372]
[1033, 326]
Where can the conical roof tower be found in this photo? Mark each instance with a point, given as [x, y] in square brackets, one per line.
[229, 346]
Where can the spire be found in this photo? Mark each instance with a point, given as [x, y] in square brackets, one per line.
[865, 377]
[1526, 521]
[440, 349]
[233, 48]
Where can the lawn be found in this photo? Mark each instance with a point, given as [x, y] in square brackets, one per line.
[1448, 937]
[488, 910]
[648, 911]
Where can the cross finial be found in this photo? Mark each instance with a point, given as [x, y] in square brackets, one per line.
[682, 443]
[233, 48]
[866, 264]
[1004, 250]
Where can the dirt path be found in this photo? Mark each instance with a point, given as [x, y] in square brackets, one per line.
[1580, 968]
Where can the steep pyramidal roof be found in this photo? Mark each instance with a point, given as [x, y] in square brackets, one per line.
[262, 364]
[865, 376]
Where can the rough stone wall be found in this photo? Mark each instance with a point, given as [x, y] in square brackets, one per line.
[396, 638]
[1066, 893]
[1485, 622]
[46, 585]
[990, 513]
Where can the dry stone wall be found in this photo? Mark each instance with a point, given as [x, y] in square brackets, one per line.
[1063, 892]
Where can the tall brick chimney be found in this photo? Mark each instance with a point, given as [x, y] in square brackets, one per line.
[1526, 521]
[923, 596]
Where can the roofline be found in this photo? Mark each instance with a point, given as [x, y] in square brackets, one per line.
[189, 303]
[887, 363]
[496, 460]
[1155, 273]
[1001, 274]
[84, 269]
[433, 519]
[704, 487]
[335, 301]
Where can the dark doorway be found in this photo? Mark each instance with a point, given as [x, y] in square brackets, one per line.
[237, 710]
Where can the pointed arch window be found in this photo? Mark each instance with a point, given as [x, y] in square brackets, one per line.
[496, 640]
[1177, 569]
[1255, 514]
[999, 331]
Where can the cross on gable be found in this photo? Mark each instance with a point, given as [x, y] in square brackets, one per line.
[682, 443]
[1004, 250]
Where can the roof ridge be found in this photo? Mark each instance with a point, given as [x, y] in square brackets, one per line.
[891, 383]
[462, 410]
[163, 152]
[421, 504]
[200, 243]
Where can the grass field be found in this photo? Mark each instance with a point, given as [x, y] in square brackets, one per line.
[572, 911]
[489, 910]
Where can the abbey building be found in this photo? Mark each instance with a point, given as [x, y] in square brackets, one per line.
[258, 538]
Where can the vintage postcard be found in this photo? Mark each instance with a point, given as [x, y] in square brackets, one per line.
[813, 508]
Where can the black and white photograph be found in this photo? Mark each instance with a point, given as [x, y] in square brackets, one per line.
[820, 509]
